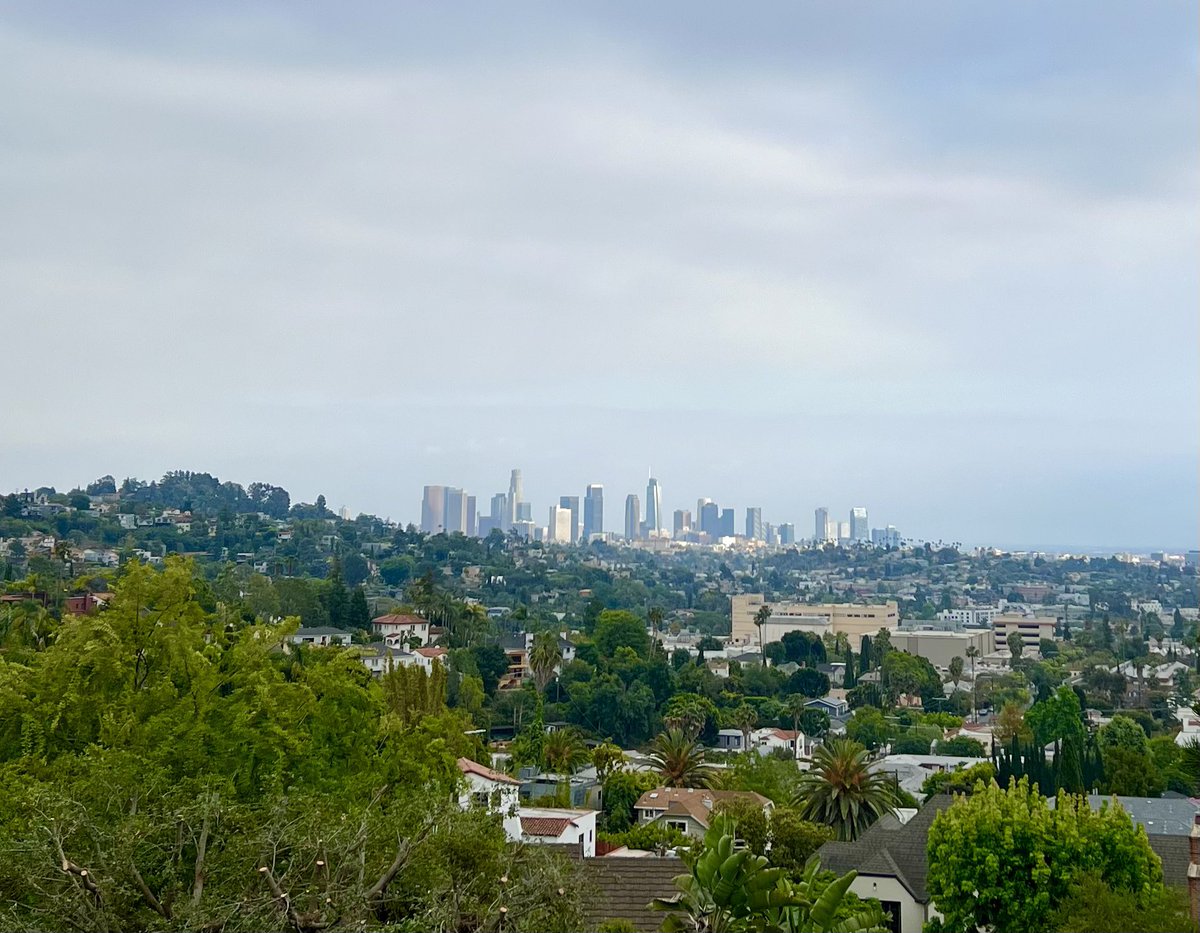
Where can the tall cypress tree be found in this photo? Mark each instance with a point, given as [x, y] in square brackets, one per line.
[850, 678]
[864, 655]
[1070, 770]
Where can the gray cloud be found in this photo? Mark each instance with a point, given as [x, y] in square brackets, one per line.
[783, 259]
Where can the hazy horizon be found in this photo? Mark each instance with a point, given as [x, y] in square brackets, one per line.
[935, 260]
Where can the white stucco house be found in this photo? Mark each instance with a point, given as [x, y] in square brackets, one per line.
[402, 627]
[322, 636]
[494, 791]
[543, 825]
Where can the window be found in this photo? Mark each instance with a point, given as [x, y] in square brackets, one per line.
[892, 909]
[680, 825]
[481, 798]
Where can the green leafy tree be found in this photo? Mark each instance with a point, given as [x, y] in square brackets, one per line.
[962, 746]
[616, 629]
[1094, 907]
[840, 791]
[1004, 860]
[795, 840]
[870, 728]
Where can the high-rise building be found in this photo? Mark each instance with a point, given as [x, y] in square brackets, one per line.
[433, 510]
[524, 511]
[823, 530]
[683, 522]
[710, 519]
[633, 517]
[593, 511]
[558, 528]
[455, 511]
[843, 533]
[787, 534]
[472, 519]
[859, 530]
[728, 523]
[572, 503]
[885, 537]
[754, 524]
[516, 494]
[500, 514]
[653, 508]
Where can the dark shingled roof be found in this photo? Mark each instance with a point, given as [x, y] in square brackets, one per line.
[890, 848]
[899, 851]
[618, 888]
[1175, 854]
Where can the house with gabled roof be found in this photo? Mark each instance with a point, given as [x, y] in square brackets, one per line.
[492, 790]
[402, 626]
[689, 809]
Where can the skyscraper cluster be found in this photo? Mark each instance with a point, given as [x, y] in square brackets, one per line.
[576, 519]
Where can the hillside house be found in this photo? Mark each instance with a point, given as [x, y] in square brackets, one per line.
[688, 809]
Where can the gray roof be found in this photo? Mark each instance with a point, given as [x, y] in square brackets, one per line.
[1162, 816]
[890, 849]
[318, 631]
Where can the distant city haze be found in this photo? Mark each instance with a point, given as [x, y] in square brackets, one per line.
[934, 261]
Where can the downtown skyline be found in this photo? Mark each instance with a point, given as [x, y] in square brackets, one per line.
[940, 260]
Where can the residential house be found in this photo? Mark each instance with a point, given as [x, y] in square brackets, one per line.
[730, 740]
[797, 744]
[835, 707]
[689, 809]
[891, 863]
[494, 791]
[549, 825]
[321, 635]
[402, 626]
[910, 771]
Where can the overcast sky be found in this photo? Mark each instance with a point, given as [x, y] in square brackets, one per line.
[937, 259]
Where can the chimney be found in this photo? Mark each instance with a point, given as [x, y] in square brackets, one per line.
[1194, 868]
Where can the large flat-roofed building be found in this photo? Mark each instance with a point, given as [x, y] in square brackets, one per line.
[852, 619]
[1032, 629]
[939, 647]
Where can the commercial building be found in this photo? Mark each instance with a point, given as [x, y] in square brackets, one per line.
[558, 526]
[939, 647]
[653, 508]
[1032, 629]
[682, 523]
[572, 503]
[859, 530]
[973, 615]
[516, 492]
[852, 619]
[727, 523]
[754, 524]
[633, 517]
[709, 515]
[593, 511]
[433, 510]
[455, 511]
[822, 530]
[787, 534]
[885, 537]
[500, 514]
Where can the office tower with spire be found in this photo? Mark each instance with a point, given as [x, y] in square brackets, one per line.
[593, 511]
[516, 496]
[754, 524]
[633, 517]
[859, 529]
[653, 508]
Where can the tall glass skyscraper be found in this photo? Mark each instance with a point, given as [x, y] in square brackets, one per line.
[633, 517]
[653, 507]
[593, 511]
[515, 496]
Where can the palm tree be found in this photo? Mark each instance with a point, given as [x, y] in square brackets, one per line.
[956, 666]
[972, 653]
[796, 705]
[655, 618]
[679, 760]
[745, 719]
[763, 615]
[564, 751]
[544, 657]
[841, 792]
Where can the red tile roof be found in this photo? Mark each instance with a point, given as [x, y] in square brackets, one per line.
[467, 766]
[399, 619]
[544, 825]
[431, 652]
